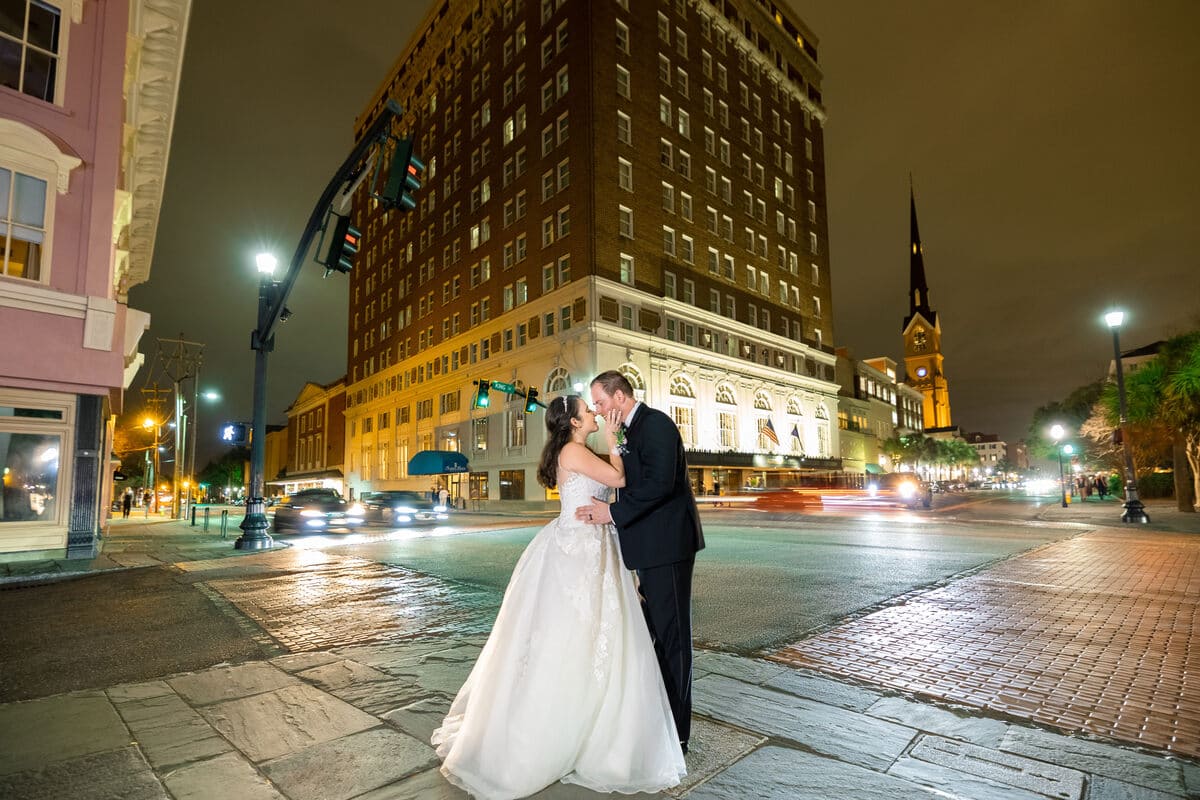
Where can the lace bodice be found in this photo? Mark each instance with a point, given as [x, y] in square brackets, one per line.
[575, 490]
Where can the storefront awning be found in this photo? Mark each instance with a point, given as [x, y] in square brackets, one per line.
[437, 462]
[874, 469]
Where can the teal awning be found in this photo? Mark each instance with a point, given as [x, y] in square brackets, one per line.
[437, 462]
[874, 469]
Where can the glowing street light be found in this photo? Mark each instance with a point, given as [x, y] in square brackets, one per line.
[1057, 432]
[1135, 511]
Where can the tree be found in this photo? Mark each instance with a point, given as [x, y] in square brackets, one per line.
[228, 470]
[1071, 413]
[1165, 394]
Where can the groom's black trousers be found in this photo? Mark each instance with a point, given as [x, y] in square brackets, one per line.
[667, 603]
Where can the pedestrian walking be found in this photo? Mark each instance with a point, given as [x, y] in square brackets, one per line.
[1101, 486]
[443, 496]
[126, 503]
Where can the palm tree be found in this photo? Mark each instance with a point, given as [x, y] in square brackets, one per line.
[1165, 393]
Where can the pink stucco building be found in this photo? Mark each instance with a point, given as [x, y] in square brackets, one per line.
[87, 102]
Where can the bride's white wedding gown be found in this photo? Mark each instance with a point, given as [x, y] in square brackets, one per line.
[567, 686]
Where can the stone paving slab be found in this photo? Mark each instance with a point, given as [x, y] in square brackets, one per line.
[778, 773]
[226, 776]
[977, 730]
[1024, 773]
[270, 725]
[170, 732]
[67, 725]
[1102, 788]
[231, 682]
[421, 718]
[121, 773]
[824, 690]
[855, 738]
[947, 781]
[364, 761]
[1140, 769]
[712, 748]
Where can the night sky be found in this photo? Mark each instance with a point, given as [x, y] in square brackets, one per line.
[1052, 146]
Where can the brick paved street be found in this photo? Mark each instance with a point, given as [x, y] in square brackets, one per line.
[1095, 634]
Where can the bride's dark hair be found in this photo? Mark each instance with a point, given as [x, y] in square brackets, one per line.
[559, 414]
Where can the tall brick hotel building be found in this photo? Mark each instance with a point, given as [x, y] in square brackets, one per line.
[617, 184]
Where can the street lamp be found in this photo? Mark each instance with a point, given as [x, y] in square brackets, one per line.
[1056, 433]
[254, 524]
[1134, 510]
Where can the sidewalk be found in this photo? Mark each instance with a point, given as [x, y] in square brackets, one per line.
[1164, 516]
[355, 722]
[140, 541]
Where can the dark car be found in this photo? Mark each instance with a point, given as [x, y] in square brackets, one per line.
[401, 507]
[901, 488]
[316, 510]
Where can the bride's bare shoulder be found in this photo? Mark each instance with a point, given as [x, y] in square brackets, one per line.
[573, 454]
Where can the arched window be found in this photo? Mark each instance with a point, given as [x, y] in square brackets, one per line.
[762, 400]
[634, 376]
[682, 387]
[793, 406]
[557, 381]
[725, 394]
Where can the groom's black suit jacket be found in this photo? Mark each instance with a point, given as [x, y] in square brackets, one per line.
[655, 513]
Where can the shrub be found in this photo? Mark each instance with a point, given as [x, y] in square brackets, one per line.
[1156, 484]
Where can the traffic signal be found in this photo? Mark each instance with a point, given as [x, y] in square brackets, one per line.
[531, 402]
[405, 177]
[235, 433]
[343, 245]
[481, 396]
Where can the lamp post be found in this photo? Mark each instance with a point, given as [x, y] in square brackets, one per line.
[1134, 510]
[1057, 433]
[254, 524]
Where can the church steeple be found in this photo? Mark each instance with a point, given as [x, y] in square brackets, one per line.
[923, 360]
[918, 292]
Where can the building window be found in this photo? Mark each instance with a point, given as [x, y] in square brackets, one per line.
[30, 33]
[624, 128]
[685, 420]
[516, 428]
[23, 222]
[512, 483]
[727, 425]
[623, 82]
[625, 174]
[625, 221]
[36, 428]
[479, 433]
[626, 269]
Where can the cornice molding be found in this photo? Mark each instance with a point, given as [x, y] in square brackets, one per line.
[153, 62]
[723, 25]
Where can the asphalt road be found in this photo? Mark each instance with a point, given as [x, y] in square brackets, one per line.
[765, 580]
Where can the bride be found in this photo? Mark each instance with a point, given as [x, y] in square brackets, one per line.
[567, 687]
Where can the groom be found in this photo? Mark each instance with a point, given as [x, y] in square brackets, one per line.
[659, 528]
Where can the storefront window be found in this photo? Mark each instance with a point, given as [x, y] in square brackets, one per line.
[512, 484]
[30, 463]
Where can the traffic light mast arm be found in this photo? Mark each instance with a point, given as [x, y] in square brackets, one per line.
[316, 220]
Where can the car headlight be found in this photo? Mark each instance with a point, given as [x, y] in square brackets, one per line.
[403, 510]
[356, 510]
[440, 509]
[312, 512]
[907, 490]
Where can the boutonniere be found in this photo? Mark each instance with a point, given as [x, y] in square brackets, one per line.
[621, 440]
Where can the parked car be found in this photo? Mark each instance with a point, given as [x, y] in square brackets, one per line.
[402, 507]
[902, 488]
[316, 510]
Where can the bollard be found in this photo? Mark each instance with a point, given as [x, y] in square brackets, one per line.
[206, 510]
[224, 522]
[193, 516]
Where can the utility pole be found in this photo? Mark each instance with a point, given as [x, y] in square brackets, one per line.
[180, 360]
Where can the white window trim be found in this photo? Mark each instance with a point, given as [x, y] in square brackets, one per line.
[31, 152]
[46, 534]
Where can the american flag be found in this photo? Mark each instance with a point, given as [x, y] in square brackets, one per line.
[769, 432]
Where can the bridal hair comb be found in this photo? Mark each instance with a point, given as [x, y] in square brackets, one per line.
[565, 408]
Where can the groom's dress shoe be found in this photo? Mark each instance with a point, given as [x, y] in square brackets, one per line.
[684, 746]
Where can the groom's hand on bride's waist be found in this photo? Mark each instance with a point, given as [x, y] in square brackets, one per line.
[596, 512]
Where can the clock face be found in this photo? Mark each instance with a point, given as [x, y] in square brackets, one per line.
[922, 372]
